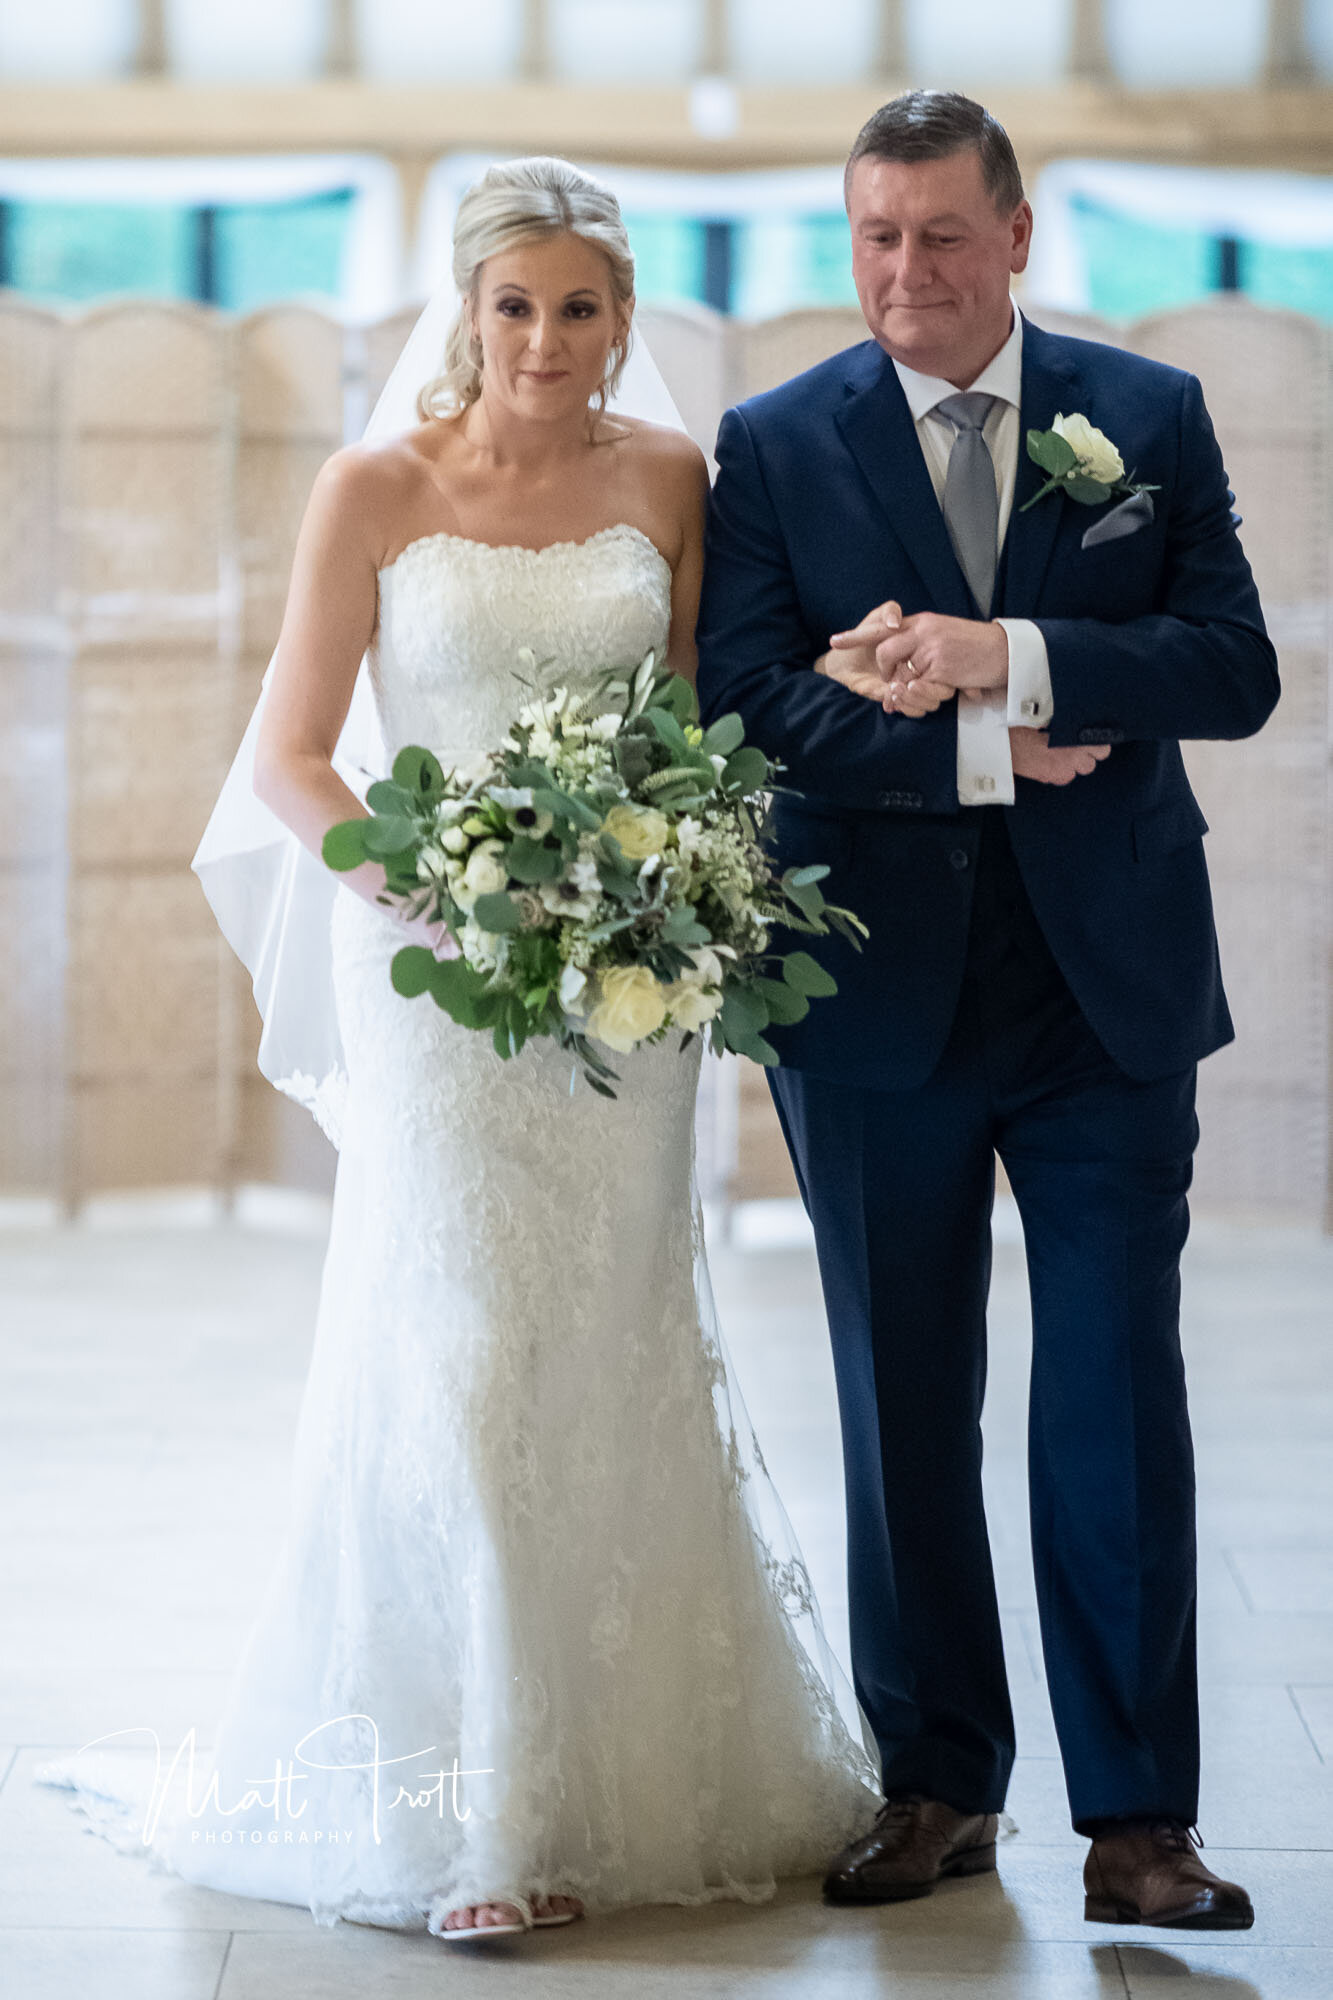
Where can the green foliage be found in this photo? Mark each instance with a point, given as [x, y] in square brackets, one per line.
[1091, 492]
[785, 1003]
[385, 796]
[533, 860]
[661, 756]
[745, 770]
[388, 834]
[727, 734]
[411, 970]
[419, 772]
[498, 913]
[808, 976]
[344, 845]
[1052, 453]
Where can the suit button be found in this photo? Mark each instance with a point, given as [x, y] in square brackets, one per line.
[958, 859]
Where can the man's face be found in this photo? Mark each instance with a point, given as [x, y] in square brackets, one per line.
[932, 258]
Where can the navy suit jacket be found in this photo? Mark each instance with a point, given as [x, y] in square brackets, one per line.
[823, 508]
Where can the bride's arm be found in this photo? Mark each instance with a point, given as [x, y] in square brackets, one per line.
[326, 627]
[687, 574]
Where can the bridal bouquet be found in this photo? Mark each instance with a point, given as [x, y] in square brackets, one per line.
[602, 876]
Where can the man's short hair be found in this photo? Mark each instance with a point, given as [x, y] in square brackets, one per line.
[931, 124]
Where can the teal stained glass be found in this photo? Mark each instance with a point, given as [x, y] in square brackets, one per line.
[280, 249]
[783, 262]
[1282, 274]
[828, 259]
[1139, 267]
[668, 257]
[68, 252]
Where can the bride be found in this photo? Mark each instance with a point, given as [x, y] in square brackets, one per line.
[527, 1651]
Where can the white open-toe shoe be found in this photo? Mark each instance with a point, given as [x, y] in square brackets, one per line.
[454, 1934]
[546, 1922]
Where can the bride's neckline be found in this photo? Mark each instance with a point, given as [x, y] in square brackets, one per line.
[522, 549]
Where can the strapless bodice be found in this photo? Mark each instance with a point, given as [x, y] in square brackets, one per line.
[454, 615]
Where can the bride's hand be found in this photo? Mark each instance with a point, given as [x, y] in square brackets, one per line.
[435, 935]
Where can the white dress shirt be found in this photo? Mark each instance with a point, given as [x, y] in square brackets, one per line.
[985, 767]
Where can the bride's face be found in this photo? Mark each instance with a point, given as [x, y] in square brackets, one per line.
[548, 319]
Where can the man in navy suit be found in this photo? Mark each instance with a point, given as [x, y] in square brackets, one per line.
[980, 704]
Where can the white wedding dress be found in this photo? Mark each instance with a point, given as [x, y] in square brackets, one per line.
[522, 1534]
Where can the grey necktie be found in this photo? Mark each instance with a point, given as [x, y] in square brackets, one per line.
[971, 503]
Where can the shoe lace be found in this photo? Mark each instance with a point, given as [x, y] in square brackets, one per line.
[897, 1810]
[1174, 1834]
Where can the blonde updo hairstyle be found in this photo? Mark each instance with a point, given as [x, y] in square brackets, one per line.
[522, 201]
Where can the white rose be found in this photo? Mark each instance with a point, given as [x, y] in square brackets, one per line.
[1097, 456]
[690, 1006]
[632, 1005]
[453, 840]
[639, 831]
[485, 874]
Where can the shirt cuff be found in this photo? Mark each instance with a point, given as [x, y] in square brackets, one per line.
[985, 767]
[1031, 703]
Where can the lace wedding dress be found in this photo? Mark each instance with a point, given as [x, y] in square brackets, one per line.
[519, 1538]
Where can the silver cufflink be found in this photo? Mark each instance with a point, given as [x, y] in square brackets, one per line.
[1032, 708]
[984, 784]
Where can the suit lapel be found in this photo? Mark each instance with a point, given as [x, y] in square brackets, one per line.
[877, 426]
[1049, 385]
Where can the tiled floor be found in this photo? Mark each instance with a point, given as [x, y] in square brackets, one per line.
[149, 1380]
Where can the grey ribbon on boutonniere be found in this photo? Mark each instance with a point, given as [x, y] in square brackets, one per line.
[1130, 515]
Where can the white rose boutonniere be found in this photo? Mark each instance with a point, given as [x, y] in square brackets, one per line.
[1081, 460]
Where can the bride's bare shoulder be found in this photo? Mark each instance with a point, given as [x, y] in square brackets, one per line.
[362, 490]
[660, 442]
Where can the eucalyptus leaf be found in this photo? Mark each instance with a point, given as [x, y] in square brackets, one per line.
[344, 845]
[680, 698]
[533, 861]
[418, 771]
[785, 1004]
[746, 770]
[411, 970]
[727, 734]
[808, 900]
[385, 796]
[389, 835]
[798, 878]
[755, 1047]
[460, 990]
[807, 975]
[742, 1012]
[498, 913]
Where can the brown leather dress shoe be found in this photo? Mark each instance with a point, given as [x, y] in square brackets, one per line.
[913, 1844]
[1147, 1872]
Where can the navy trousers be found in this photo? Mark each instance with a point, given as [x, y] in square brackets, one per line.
[899, 1186]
